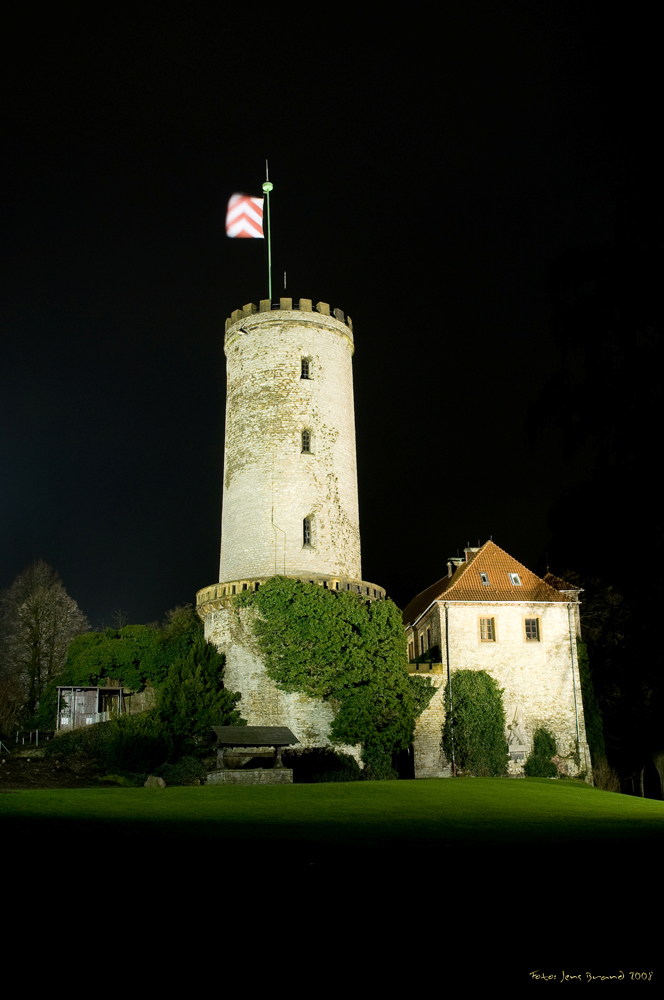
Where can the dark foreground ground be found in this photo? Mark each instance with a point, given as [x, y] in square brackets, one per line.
[417, 913]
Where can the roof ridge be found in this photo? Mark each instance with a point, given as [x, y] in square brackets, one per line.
[463, 585]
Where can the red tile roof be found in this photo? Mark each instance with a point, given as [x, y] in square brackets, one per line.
[558, 583]
[465, 584]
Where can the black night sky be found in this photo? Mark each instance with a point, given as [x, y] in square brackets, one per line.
[425, 178]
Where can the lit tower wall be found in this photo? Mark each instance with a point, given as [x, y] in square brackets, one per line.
[290, 503]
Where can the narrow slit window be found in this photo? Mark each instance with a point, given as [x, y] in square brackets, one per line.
[306, 441]
[306, 531]
[306, 368]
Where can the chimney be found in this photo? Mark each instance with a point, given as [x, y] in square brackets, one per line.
[453, 564]
[468, 552]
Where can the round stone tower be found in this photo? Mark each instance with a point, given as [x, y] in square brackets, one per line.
[290, 478]
[290, 504]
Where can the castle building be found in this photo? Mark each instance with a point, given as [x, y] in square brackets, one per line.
[491, 613]
[290, 504]
[290, 508]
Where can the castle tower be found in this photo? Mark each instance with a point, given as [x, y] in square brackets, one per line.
[290, 503]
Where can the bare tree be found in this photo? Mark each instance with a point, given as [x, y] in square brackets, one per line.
[38, 620]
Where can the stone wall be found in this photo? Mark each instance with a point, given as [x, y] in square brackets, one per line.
[429, 759]
[271, 483]
[139, 701]
[258, 776]
[540, 678]
[263, 704]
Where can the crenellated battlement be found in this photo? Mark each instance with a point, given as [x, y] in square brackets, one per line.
[287, 305]
[220, 595]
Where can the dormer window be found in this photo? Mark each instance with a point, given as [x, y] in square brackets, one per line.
[515, 580]
[306, 368]
[484, 577]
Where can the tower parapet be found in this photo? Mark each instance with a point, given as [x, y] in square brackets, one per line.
[286, 304]
[220, 595]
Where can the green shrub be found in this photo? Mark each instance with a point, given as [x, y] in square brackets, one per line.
[183, 772]
[316, 765]
[130, 743]
[475, 728]
[140, 743]
[131, 656]
[193, 696]
[539, 763]
[337, 647]
[378, 764]
[341, 767]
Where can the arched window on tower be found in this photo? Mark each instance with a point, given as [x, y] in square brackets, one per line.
[306, 368]
[306, 531]
[306, 440]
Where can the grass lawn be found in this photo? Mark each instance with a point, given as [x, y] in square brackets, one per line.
[484, 875]
[431, 812]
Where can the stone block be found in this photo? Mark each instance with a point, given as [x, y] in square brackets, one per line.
[259, 776]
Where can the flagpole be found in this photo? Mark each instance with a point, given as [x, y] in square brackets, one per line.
[267, 187]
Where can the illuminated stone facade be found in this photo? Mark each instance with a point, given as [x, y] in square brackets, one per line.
[290, 503]
[491, 613]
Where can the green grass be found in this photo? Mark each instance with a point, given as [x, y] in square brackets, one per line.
[526, 875]
[431, 812]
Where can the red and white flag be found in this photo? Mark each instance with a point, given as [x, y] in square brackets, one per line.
[244, 216]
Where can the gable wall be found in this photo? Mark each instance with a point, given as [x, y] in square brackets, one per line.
[537, 677]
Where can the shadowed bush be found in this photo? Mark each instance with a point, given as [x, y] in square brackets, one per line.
[131, 743]
[539, 763]
[315, 766]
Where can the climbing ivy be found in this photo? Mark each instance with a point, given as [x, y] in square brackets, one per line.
[475, 728]
[351, 653]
